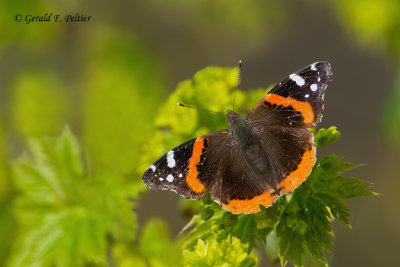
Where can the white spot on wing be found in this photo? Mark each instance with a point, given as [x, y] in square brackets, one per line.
[170, 178]
[296, 78]
[161, 179]
[314, 87]
[313, 67]
[319, 79]
[180, 175]
[153, 168]
[170, 159]
[307, 96]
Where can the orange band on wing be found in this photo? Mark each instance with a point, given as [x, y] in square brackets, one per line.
[291, 182]
[244, 206]
[304, 107]
[296, 177]
[191, 179]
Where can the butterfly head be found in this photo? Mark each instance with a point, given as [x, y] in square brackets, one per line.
[233, 117]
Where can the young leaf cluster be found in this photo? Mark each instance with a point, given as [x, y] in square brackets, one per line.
[224, 253]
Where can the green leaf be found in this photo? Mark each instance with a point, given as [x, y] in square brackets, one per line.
[67, 216]
[207, 200]
[229, 219]
[59, 238]
[326, 136]
[207, 213]
[246, 230]
[305, 224]
[269, 217]
[291, 246]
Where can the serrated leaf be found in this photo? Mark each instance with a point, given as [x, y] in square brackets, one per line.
[65, 214]
[246, 230]
[331, 166]
[67, 238]
[292, 246]
[311, 208]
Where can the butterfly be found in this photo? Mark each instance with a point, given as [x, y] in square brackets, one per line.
[256, 160]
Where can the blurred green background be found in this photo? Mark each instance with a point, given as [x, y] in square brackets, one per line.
[107, 78]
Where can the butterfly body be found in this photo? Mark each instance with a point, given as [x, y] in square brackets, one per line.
[257, 159]
[245, 140]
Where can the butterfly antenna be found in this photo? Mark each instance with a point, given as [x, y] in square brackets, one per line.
[238, 80]
[186, 106]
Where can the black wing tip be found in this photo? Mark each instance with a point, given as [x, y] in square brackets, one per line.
[146, 178]
[325, 67]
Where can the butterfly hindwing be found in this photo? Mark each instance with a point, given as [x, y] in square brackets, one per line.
[183, 168]
[240, 189]
[298, 100]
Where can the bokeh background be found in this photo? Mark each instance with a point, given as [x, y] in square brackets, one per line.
[107, 78]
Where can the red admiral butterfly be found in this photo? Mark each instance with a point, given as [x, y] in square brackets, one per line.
[259, 158]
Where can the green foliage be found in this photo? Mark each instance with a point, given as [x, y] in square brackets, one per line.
[5, 183]
[327, 136]
[68, 216]
[242, 18]
[157, 246]
[383, 33]
[118, 112]
[225, 253]
[7, 220]
[17, 33]
[39, 105]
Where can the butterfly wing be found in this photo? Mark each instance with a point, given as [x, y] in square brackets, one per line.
[298, 100]
[184, 169]
[215, 162]
[240, 189]
[279, 121]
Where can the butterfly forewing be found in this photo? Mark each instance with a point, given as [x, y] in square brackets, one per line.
[298, 100]
[184, 169]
